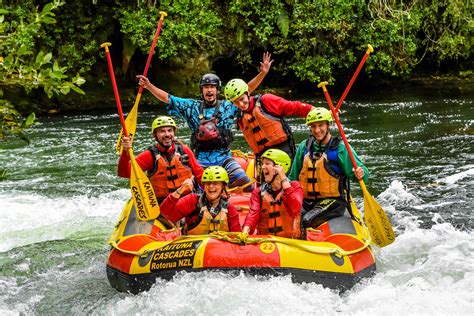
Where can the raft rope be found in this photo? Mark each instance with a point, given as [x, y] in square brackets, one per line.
[242, 187]
[244, 239]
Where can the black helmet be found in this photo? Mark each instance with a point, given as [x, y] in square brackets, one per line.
[210, 79]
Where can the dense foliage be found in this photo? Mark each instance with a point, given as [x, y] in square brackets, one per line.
[53, 45]
[25, 66]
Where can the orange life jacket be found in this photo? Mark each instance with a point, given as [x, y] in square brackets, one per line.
[319, 177]
[206, 222]
[274, 218]
[168, 175]
[262, 130]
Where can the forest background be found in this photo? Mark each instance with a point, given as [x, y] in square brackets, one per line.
[50, 56]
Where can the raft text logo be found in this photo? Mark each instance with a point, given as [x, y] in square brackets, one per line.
[137, 197]
[150, 193]
[175, 256]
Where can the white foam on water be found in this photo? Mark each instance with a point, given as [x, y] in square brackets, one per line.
[452, 179]
[397, 194]
[221, 294]
[33, 218]
[425, 271]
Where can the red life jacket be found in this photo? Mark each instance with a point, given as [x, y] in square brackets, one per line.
[275, 219]
[262, 130]
[168, 175]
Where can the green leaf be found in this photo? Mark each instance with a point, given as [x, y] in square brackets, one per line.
[57, 75]
[47, 58]
[4, 11]
[65, 90]
[30, 120]
[47, 8]
[48, 20]
[240, 36]
[23, 50]
[39, 58]
[79, 81]
[77, 89]
[283, 22]
[56, 66]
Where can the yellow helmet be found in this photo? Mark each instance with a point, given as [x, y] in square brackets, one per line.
[234, 89]
[279, 157]
[162, 121]
[215, 174]
[318, 115]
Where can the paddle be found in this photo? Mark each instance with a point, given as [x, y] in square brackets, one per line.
[377, 221]
[143, 196]
[131, 120]
[370, 49]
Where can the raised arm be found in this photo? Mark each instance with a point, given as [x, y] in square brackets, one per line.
[264, 69]
[157, 92]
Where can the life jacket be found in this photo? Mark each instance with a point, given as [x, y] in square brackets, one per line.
[321, 176]
[263, 130]
[209, 219]
[274, 218]
[168, 174]
[208, 135]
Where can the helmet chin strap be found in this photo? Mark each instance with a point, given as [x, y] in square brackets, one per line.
[273, 179]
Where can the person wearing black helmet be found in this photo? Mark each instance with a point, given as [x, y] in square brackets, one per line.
[210, 121]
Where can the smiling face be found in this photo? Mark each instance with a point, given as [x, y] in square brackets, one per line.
[213, 190]
[165, 136]
[320, 131]
[242, 102]
[209, 93]
[268, 170]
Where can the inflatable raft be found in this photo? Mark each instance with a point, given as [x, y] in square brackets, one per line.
[336, 254]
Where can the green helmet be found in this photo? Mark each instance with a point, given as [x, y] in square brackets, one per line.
[279, 157]
[161, 121]
[234, 89]
[215, 174]
[318, 115]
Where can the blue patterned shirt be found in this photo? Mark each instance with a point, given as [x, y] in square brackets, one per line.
[188, 109]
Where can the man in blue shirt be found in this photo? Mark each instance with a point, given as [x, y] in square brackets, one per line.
[210, 121]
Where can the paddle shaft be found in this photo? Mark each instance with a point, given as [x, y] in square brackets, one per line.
[370, 49]
[152, 48]
[114, 85]
[339, 126]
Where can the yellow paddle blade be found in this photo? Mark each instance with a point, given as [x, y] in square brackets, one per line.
[143, 196]
[130, 123]
[377, 221]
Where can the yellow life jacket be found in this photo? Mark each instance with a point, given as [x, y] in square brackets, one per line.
[206, 222]
[274, 218]
[168, 176]
[262, 130]
[318, 177]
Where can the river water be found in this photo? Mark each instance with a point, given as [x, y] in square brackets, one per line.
[62, 198]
